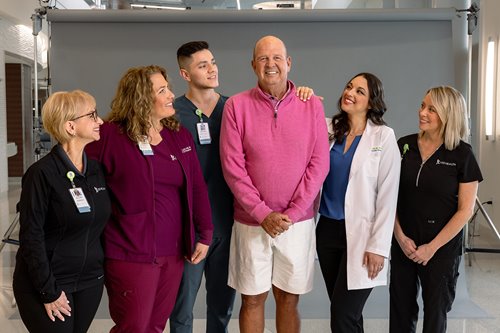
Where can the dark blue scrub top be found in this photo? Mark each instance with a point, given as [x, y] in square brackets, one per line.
[335, 186]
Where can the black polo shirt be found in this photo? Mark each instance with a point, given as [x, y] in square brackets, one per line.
[221, 198]
[428, 193]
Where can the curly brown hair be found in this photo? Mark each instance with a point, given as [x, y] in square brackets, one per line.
[133, 102]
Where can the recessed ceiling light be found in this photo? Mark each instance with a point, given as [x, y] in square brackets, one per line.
[144, 6]
[277, 5]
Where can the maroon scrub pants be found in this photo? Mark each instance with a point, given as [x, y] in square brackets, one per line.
[142, 295]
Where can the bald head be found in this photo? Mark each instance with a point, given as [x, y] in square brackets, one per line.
[266, 41]
[271, 65]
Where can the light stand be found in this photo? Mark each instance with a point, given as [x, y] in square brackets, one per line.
[472, 18]
[468, 246]
[37, 18]
[37, 27]
[471, 26]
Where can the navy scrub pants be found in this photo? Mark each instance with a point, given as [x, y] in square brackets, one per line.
[220, 297]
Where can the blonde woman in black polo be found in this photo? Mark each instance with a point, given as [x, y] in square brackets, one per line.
[437, 191]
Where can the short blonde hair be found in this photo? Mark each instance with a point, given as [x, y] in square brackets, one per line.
[452, 111]
[61, 107]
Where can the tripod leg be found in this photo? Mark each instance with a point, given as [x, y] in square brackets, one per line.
[7, 236]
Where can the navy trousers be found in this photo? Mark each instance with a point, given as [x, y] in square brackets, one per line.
[220, 297]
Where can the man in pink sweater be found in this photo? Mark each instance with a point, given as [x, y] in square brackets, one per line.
[275, 156]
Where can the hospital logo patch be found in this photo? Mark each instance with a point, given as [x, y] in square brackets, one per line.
[99, 189]
[439, 162]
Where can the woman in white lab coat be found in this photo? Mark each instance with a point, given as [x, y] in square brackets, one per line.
[358, 202]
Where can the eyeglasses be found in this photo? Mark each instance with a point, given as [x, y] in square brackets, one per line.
[92, 115]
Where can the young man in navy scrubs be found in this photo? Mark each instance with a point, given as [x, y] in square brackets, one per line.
[200, 111]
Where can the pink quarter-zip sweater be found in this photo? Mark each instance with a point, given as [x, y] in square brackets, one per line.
[275, 154]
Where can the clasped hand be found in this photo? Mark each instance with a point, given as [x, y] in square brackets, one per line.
[276, 223]
[421, 254]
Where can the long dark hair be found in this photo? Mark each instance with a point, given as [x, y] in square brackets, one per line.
[377, 107]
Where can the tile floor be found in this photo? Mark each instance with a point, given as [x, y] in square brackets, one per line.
[483, 283]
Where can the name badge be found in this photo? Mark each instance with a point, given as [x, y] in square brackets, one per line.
[79, 198]
[144, 146]
[203, 133]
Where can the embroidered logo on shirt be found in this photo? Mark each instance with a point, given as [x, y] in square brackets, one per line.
[377, 148]
[99, 189]
[186, 149]
[173, 157]
[439, 162]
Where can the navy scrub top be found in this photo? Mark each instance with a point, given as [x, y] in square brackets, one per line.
[332, 202]
[221, 198]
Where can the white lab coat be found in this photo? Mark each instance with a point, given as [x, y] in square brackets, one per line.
[370, 202]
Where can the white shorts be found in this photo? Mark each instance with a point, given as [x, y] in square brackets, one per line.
[257, 261]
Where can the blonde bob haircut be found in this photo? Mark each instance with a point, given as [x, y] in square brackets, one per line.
[61, 107]
[133, 103]
[451, 109]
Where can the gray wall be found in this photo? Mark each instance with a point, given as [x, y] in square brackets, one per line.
[410, 51]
